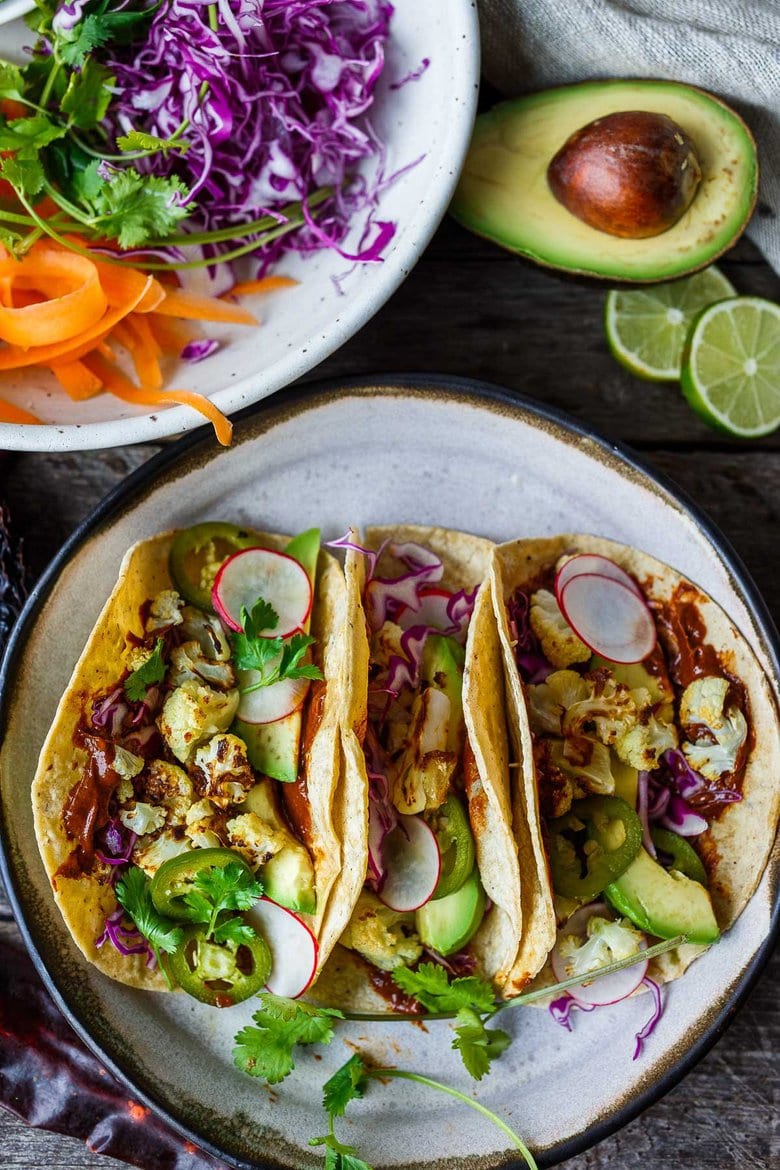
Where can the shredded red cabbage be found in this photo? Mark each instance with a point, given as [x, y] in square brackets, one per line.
[128, 940]
[647, 1029]
[413, 75]
[672, 791]
[273, 95]
[531, 662]
[196, 351]
[116, 842]
[560, 1009]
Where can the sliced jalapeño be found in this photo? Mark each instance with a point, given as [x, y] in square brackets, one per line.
[175, 880]
[197, 554]
[592, 845]
[220, 973]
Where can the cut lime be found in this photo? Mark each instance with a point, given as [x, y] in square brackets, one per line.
[647, 327]
[731, 366]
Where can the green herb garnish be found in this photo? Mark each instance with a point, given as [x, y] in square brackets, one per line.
[266, 1050]
[274, 658]
[132, 894]
[150, 672]
[223, 888]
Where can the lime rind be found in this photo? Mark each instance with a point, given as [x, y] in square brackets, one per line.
[731, 366]
[647, 328]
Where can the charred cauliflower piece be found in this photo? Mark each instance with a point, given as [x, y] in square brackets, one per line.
[255, 838]
[204, 653]
[151, 851]
[560, 645]
[204, 827]
[381, 935]
[192, 714]
[167, 785]
[549, 701]
[609, 708]
[718, 733]
[165, 611]
[421, 776]
[643, 744]
[142, 818]
[222, 771]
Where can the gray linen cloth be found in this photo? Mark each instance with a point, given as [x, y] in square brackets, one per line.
[729, 47]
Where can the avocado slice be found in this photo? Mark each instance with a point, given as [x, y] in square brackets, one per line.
[274, 748]
[288, 878]
[447, 924]
[442, 667]
[626, 779]
[504, 195]
[663, 902]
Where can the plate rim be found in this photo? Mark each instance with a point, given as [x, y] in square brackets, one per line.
[264, 415]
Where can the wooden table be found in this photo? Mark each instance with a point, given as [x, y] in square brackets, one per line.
[473, 310]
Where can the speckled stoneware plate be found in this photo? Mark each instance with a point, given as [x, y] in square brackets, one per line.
[419, 449]
[425, 126]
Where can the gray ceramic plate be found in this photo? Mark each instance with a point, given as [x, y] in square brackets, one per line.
[411, 449]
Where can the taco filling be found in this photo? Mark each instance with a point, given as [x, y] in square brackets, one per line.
[638, 755]
[192, 810]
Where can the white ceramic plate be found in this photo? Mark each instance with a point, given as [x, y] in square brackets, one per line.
[429, 451]
[429, 119]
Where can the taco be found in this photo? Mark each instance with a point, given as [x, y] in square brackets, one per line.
[647, 736]
[199, 729]
[427, 738]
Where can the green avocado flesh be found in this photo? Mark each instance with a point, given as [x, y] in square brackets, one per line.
[447, 924]
[663, 902]
[442, 667]
[503, 192]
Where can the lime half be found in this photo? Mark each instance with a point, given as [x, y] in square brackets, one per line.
[731, 366]
[647, 327]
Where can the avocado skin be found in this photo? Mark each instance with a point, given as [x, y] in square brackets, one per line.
[503, 194]
[662, 904]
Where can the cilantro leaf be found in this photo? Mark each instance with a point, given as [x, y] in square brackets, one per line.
[262, 616]
[152, 671]
[267, 1050]
[224, 887]
[292, 652]
[274, 658]
[344, 1086]
[343, 1159]
[150, 143]
[132, 894]
[477, 1044]
[96, 30]
[431, 986]
[10, 239]
[88, 95]
[234, 930]
[11, 81]
[135, 208]
[25, 175]
[24, 137]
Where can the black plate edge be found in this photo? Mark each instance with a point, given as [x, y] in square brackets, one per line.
[317, 392]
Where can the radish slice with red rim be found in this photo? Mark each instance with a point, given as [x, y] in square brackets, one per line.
[588, 563]
[292, 945]
[610, 618]
[412, 862]
[280, 580]
[271, 703]
[608, 988]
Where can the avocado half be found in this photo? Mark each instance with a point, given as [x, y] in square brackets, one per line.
[503, 192]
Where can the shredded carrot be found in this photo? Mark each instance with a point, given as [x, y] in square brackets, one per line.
[65, 315]
[120, 385]
[139, 341]
[191, 307]
[78, 382]
[15, 414]
[171, 334]
[267, 284]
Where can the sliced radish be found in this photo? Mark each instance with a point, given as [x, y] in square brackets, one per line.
[261, 572]
[610, 618]
[293, 947]
[412, 861]
[269, 704]
[432, 611]
[588, 563]
[607, 988]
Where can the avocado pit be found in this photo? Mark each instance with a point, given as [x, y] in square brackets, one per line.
[631, 174]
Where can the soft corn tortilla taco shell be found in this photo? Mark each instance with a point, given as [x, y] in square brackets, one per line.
[736, 846]
[86, 901]
[346, 978]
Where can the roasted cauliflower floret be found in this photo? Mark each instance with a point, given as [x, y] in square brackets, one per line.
[126, 764]
[609, 709]
[164, 611]
[381, 935]
[549, 701]
[606, 942]
[386, 644]
[256, 839]
[718, 733]
[560, 645]
[188, 664]
[421, 776]
[207, 630]
[137, 656]
[586, 761]
[222, 771]
[192, 714]
[142, 818]
[167, 785]
[203, 825]
[151, 851]
[643, 744]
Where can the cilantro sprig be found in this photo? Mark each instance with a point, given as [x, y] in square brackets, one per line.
[274, 658]
[266, 1050]
[133, 895]
[218, 890]
[150, 672]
